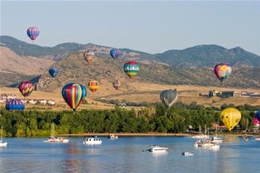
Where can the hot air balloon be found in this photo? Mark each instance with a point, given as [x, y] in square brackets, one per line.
[116, 84]
[33, 32]
[115, 53]
[74, 94]
[93, 86]
[230, 117]
[14, 105]
[53, 72]
[88, 56]
[131, 68]
[169, 97]
[26, 88]
[257, 115]
[255, 121]
[222, 71]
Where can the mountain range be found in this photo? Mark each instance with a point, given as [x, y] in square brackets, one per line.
[190, 66]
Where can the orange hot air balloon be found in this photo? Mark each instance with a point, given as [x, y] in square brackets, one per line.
[93, 86]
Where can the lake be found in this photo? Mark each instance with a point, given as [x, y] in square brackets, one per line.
[126, 155]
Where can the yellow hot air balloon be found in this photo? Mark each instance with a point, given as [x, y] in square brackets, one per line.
[93, 86]
[230, 117]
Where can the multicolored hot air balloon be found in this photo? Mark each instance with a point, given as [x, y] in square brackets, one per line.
[26, 88]
[116, 84]
[230, 117]
[131, 68]
[169, 97]
[88, 56]
[33, 32]
[93, 86]
[74, 94]
[14, 105]
[115, 53]
[53, 72]
[222, 71]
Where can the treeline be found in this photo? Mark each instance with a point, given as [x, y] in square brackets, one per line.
[177, 119]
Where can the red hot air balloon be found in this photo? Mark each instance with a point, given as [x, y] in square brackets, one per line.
[26, 88]
[33, 33]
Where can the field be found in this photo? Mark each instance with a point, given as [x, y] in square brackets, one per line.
[137, 92]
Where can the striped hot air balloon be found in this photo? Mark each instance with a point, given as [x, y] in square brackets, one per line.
[131, 68]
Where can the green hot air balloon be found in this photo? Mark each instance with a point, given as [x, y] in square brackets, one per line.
[169, 97]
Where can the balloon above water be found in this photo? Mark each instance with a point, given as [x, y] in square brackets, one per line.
[230, 117]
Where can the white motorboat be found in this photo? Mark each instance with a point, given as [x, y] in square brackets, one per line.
[2, 143]
[257, 138]
[216, 139]
[112, 136]
[187, 153]
[54, 139]
[92, 141]
[156, 148]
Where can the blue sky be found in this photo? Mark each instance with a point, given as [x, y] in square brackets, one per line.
[148, 26]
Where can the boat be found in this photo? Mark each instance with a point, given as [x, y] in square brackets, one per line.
[215, 146]
[56, 139]
[216, 139]
[257, 138]
[156, 148]
[200, 135]
[112, 136]
[92, 141]
[2, 143]
[246, 138]
[187, 153]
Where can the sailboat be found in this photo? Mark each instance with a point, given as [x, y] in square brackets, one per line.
[2, 143]
[200, 135]
[54, 139]
[216, 138]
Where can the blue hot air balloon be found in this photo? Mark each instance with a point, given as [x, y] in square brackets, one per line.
[14, 105]
[53, 72]
[33, 33]
[115, 53]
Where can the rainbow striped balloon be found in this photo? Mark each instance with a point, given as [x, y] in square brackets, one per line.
[74, 94]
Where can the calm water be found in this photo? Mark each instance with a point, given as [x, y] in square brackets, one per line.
[125, 155]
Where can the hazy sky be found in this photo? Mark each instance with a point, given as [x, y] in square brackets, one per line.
[148, 26]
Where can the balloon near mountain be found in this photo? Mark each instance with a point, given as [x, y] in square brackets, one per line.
[33, 33]
[169, 97]
[222, 71]
[93, 86]
[26, 88]
[230, 117]
[131, 69]
[53, 72]
[74, 94]
[115, 53]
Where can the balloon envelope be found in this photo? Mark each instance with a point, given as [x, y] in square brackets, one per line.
[93, 86]
[115, 53]
[26, 88]
[169, 97]
[14, 105]
[222, 71]
[33, 33]
[257, 115]
[131, 68]
[116, 84]
[255, 121]
[74, 94]
[53, 72]
[88, 56]
[230, 117]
